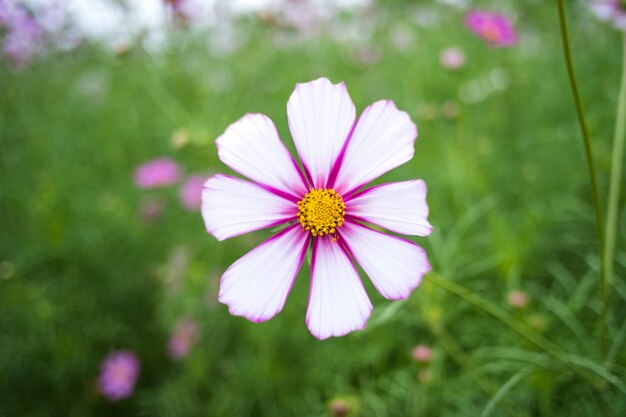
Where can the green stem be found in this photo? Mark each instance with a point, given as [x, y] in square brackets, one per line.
[614, 187]
[456, 353]
[496, 312]
[580, 364]
[590, 167]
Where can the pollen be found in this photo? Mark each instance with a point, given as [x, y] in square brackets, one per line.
[321, 211]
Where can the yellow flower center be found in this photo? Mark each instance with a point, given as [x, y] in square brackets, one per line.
[321, 211]
[491, 33]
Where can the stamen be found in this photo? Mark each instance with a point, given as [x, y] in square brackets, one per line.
[321, 211]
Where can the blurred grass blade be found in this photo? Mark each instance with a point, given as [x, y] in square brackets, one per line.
[384, 316]
[581, 117]
[508, 385]
[594, 367]
[528, 333]
[618, 341]
[612, 222]
[496, 312]
[567, 316]
[590, 166]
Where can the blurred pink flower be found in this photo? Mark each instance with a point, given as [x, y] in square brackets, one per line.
[178, 7]
[517, 299]
[157, 173]
[118, 375]
[613, 11]
[24, 35]
[182, 10]
[191, 192]
[174, 4]
[7, 10]
[422, 353]
[495, 28]
[339, 407]
[183, 337]
[452, 58]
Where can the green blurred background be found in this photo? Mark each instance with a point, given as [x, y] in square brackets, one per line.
[84, 271]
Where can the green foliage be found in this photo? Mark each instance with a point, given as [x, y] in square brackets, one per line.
[81, 274]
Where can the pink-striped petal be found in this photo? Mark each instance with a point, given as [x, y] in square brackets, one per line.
[256, 286]
[251, 146]
[399, 206]
[383, 139]
[232, 207]
[395, 266]
[321, 115]
[338, 303]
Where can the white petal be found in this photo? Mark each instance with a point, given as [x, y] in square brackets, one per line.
[257, 285]
[338, 303]
[395, 266]
[321, 115]
[399, 206]
[251, 147]
[232, 207]
[383, 139]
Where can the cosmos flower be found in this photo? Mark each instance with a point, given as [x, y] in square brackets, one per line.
[191, 192]
[118, 375]
[325, 208]
[452, 58]
[610, 11]
[157, 173]
[496, 29]
[183, 337]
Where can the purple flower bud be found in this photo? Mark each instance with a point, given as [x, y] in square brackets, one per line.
[422, 353]
[118, 375]
[517, 299]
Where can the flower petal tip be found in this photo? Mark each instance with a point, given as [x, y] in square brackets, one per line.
[321, 336]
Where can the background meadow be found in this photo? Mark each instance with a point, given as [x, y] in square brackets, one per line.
[90, 263]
